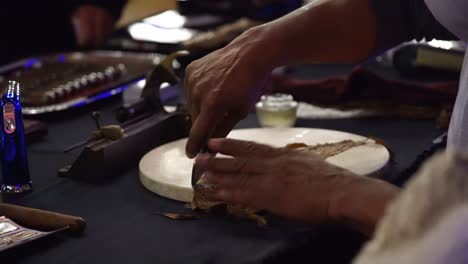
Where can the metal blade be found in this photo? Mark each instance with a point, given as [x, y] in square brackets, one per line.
[197, 172]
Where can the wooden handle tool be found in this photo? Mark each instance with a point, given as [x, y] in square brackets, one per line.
[41, 219]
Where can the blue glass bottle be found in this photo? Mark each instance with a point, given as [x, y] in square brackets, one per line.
[15, 169]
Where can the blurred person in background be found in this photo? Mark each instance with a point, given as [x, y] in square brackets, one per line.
[33, 27]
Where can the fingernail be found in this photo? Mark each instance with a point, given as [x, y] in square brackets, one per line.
[190, 155]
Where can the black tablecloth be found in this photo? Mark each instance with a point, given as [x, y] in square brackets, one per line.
[124, 227]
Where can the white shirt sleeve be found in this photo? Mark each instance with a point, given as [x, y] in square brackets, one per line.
[427, 223]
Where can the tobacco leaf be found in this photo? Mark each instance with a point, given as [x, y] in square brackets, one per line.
[329, 149]
[201, 202]
[175, 216]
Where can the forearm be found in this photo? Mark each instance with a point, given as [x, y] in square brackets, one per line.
[362, 203]
[334, 31]
[327, 31]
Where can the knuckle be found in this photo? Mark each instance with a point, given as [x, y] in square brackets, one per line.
[250, 146]
[212, 98]
[223, 144]
[240, 165]
[239, 196]
[214, 165]
[244, 181]
[244, 189]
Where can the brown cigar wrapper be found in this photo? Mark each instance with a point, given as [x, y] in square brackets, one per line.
[42, 220]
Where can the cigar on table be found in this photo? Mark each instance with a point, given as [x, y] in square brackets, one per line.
[41, 219]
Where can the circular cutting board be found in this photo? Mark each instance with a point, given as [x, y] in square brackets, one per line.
[167, 171]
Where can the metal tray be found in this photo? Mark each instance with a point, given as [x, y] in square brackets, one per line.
[136, 66]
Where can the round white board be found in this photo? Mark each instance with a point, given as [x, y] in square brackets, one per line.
[167, 171]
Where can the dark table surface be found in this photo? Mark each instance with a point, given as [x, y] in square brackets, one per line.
[123, 224]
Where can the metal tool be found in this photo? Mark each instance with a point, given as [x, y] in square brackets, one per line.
[111, 132]
[150, 100]
[102, 158]
[15, 169]
[197, 172]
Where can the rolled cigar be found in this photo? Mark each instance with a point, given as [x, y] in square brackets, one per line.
[41, 219]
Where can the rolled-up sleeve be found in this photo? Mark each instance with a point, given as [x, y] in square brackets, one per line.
[405, 20]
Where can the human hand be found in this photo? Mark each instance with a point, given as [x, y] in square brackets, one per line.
[222, 86]
[92, 25]
[289, 183]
